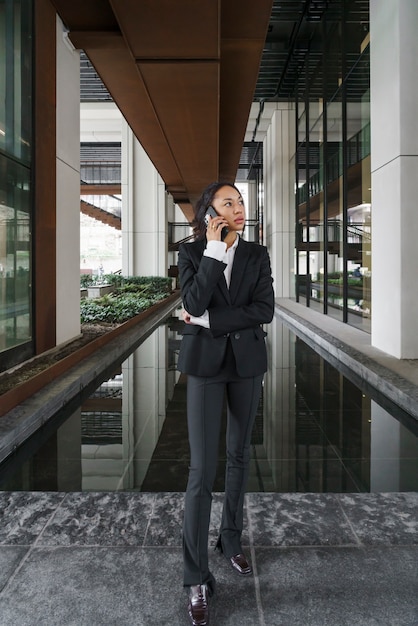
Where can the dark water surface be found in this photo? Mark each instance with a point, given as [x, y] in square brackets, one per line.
[315, 430]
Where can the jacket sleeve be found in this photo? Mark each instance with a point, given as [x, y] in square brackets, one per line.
[258, 310]
[197, 282]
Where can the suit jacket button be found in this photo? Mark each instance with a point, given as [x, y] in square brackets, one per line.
[237, 335]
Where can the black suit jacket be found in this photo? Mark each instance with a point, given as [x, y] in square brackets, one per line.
[235, 314]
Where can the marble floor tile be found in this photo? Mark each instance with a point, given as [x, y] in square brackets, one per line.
[338, 586]
[25, 514]
[297, 520]
[116, 559]
[389, 518]
[10, 557]
[235, 601]
[116, 586]
[96, 587]
[165, 524]
[215, 521]
[108, 519]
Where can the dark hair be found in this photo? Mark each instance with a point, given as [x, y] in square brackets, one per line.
[205, 200]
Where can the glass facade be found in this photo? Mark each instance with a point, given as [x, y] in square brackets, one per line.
[15, 173]
[332, 160]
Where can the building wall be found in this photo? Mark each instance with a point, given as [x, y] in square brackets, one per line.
[68, 189]
[394, 156]
[144, 212]
[279, 207]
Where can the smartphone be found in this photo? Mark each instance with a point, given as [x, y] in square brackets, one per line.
[210, 212]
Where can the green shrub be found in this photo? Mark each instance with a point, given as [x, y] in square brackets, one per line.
[132, 296]
[86, 280]
[350, 281]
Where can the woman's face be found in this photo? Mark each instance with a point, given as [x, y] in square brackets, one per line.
[228, 203]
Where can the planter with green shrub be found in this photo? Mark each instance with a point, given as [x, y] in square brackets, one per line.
[130, 295]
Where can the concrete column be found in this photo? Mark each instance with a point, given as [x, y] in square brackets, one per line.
[175, 216]
[279, 203]
[144, 212]
[68, 189]
[394, 164]
[251, 234]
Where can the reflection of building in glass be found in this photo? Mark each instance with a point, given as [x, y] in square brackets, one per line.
[333, 174]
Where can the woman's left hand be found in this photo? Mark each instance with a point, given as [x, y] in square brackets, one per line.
[186, 316]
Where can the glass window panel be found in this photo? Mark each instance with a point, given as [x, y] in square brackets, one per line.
[316, 201]
[15, 254]
[334, 182]
[359, 211]
[15, 173]
[302, 282]
[356, 24]
[333, 51]
[335, 78]
[15, 78]
[302, 128]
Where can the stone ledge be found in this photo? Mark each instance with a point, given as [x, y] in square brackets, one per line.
[30, 405]
[349, 350]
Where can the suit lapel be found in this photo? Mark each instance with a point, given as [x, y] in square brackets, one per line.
[238, 269]
[222, 286]
[224, 289]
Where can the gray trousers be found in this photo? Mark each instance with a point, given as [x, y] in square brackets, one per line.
[205, 398]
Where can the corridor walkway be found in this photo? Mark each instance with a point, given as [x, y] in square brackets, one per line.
[103, 559]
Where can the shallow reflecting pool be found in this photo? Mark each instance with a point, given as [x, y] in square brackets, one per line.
[315, 430]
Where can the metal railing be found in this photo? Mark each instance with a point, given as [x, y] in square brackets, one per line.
[100, 173]
[177, 230]
[357, 232]
[358, 147]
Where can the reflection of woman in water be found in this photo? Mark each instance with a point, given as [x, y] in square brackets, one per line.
[227, 293]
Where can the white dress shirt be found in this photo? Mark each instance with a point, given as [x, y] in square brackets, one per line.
[217, 250]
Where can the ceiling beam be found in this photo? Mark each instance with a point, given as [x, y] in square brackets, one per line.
[183, 75]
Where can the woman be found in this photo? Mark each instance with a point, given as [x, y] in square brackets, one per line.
[227, 293]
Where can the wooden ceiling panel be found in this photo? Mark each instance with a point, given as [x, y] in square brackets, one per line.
[185, 98]
[244, 26]
[125, 84]
[165, 29]
[183, 74]
[239, 69]
[86, 15]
